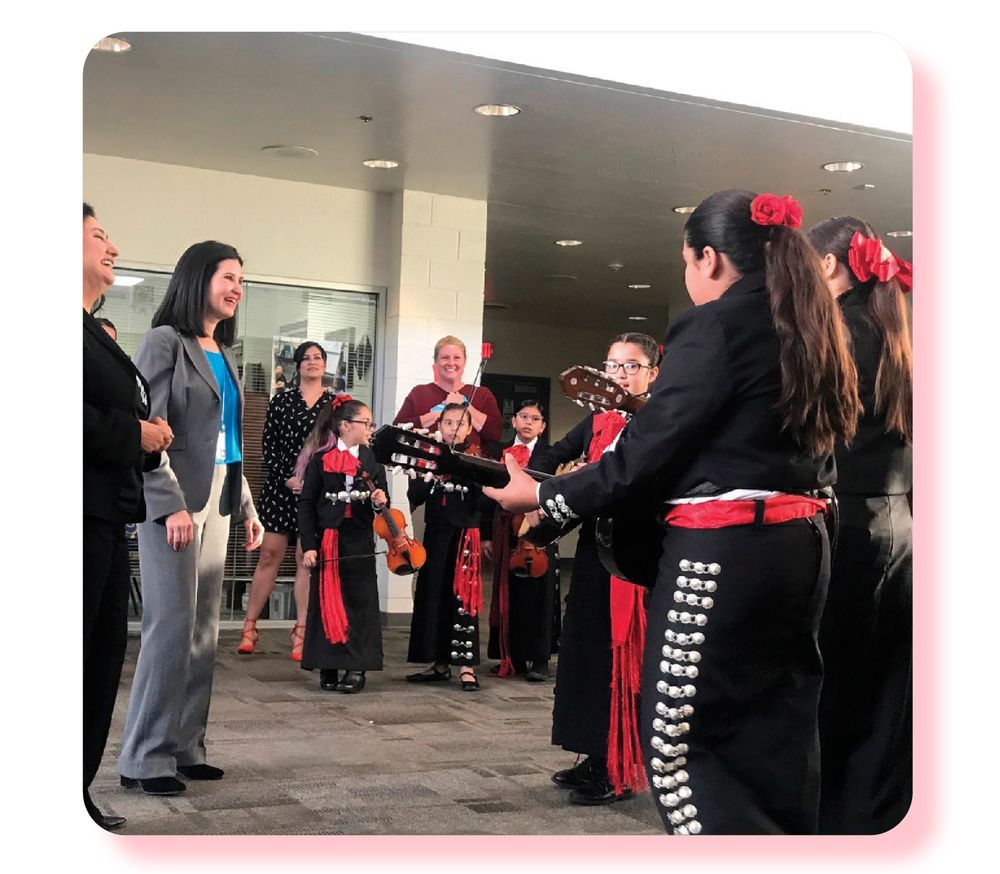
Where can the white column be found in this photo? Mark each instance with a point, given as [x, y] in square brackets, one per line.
[437, 261]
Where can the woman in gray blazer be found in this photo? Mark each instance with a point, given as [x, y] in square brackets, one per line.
[194, 384]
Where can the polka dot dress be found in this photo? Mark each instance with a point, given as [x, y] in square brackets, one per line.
[289, 421]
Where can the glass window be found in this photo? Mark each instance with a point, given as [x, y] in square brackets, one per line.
[273, 320]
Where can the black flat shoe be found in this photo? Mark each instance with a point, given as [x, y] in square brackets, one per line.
[470, 683]
[431, 675]
[155, 785]
[329, 680]
[354, 681]
[598, 791]
[579, 775]
[537, 673]
[200, 772]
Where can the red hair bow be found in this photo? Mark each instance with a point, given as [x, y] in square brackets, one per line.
[340, 400]
[769, 209]
[870, 257]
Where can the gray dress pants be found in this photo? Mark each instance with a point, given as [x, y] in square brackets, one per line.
[172, 687]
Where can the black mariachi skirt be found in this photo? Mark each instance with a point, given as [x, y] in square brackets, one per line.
[731, 678]
[866, 716]
[441, 630]
[359, 588]
[582, 710]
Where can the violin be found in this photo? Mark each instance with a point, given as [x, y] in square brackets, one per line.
[404, 554]
[526, 560]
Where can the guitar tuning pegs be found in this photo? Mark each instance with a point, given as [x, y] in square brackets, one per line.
[428, 477]
[411, 473]
[405, 426]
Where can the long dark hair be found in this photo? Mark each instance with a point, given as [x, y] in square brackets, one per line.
[819, 402]
[186, 300]
[325, 432]
[649, 346]
[886, 311]
[299, 354]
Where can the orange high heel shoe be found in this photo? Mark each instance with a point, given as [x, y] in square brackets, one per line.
[298, 638]
[248, 637]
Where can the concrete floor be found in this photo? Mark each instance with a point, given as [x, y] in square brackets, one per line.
[398, 758]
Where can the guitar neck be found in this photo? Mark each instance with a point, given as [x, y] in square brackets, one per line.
[485, 471]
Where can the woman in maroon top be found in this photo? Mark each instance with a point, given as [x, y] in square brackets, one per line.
[425, 403]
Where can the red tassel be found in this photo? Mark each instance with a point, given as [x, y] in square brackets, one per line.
[500, 608]
[628, 635]
[331, 599]
[469, 573]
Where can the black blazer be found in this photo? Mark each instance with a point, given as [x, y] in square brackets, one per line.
[539, 460]
[316, 513]
[710, 424]
[115, 398]
[876, 463]
[461, 511]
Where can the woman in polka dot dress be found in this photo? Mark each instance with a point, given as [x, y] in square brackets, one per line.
[290, 417]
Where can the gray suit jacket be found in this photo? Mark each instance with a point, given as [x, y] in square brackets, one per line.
[182, 389]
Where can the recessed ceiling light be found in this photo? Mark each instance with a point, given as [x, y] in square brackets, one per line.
[498, 110]
[112, 44]
[127, 280]
[843, 166]
[684, 210]
[640, 285]
[899, 233]
[569, 242]
[638, 319]
[865, 186]
[380, 163]
[283, 151]
[824, 190]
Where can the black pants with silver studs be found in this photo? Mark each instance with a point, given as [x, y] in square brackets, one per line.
[731, 678]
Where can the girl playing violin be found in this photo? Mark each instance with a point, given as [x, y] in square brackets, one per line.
[448, 597]
[524, 613]
[343, 626]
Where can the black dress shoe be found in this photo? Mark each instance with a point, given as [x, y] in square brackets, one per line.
[329, 679]
[155, 785]
[431, 675]
[110, 823]
[200, 772]
[537, 673]
[579, 775]
[598, 791]
[354, 681]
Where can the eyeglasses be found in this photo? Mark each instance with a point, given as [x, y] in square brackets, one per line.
[527, 417]
[630, 367]
[368, 423]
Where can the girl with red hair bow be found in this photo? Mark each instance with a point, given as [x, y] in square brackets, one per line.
[336, 513]
[866, 637]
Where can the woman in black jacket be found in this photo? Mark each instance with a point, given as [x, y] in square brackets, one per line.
[757, 386]
[867, 636]
[118, 444]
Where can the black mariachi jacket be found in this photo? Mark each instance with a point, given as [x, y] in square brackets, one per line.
[539, 460]
[876, 463]
[115, 398]
[316, 513]
[710, 423]
[461, 510]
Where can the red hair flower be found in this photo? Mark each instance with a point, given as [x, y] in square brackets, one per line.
[340, 400]
[769, 209]
[870, 257]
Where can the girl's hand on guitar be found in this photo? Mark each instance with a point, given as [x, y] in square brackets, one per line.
[520, 494]
[309, 558]
[379, 499]
[533, 518]
[487, 548]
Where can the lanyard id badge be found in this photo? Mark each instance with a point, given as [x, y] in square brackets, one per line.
[220, 446]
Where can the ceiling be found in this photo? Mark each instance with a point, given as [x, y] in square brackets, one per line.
[592, 160]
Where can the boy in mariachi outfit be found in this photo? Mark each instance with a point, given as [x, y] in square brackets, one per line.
[449, 592]
[524, 613]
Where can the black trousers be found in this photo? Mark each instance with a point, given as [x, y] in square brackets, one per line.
[105, 627]
[581, 713]
[866, 716]
[731, 679]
